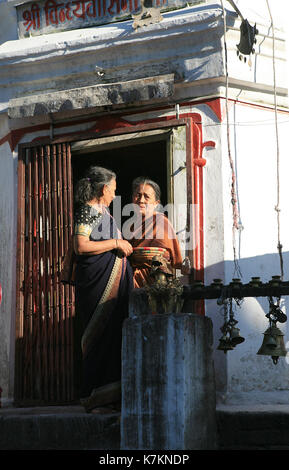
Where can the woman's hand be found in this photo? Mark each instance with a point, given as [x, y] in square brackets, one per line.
[84, 246]
[124, 247]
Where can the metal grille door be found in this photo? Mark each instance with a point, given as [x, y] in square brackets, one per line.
[45, 307]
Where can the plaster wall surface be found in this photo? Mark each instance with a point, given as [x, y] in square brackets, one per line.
[189, 44]
[254, 153]
[241, 374]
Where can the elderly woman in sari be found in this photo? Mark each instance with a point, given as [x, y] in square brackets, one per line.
[103, 282]
[153, 234]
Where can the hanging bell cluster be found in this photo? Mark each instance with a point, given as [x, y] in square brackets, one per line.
[231, 334]
[273, 341]
[231, 337]
[247, 40]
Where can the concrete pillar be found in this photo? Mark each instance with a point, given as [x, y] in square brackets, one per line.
[168, 387]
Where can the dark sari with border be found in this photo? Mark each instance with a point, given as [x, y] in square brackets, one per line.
[102, 286]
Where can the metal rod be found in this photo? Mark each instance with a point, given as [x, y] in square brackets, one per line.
[69, 289]
[43, 274]
[55, 256]
[37, 342]
[62, 339]
[49, 267]
[198, 291]
[28, 353]
[20, 298]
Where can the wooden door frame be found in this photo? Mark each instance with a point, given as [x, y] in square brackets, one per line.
[194, 165]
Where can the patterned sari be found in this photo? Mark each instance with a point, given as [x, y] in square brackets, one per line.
[155, 231]
[102, 286]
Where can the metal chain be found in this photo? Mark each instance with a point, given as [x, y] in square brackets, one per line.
[234, 200]
[277, 207]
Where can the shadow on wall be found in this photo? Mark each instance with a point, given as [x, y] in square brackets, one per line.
[242, 369]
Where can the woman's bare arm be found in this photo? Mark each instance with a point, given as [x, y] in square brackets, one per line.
[84, 246]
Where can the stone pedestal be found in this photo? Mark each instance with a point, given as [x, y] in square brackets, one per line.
[168, 386]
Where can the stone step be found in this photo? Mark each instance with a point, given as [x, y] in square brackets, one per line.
[58, 428]
[70, 428]
[256, 427]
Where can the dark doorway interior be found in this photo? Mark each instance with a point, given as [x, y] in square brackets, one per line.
[128, 162]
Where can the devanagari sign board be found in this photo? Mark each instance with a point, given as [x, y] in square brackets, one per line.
[51, 16]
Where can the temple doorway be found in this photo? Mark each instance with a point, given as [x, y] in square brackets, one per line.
[128, 160]
[47, 355]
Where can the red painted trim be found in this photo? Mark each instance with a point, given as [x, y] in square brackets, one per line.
[195, 163]
[14, 137]
[216, 104]
[99, 124]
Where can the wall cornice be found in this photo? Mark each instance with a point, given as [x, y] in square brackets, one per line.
[187, 43]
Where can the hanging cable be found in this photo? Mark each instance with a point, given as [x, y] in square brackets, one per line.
[234, 201]
[277, 207]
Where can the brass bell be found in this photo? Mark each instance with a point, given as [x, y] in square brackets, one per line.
[161, 278]
[225, 344]
[235, 336]
[273, 344]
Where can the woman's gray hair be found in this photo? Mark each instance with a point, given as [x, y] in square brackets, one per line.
[144, 180]
[91, 185]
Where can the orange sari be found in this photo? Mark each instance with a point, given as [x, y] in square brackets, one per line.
[155, 231]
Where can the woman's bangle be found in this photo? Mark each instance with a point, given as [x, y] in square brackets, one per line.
[116, 244]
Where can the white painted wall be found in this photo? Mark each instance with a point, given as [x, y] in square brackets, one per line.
[73, 58]
[253, 147]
